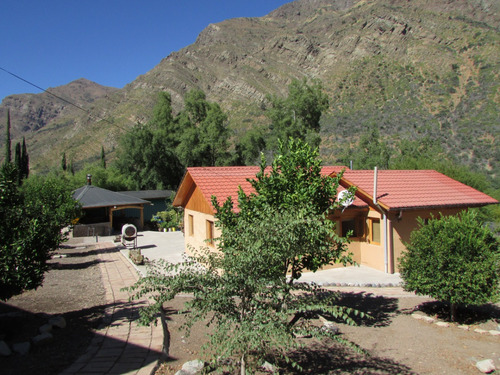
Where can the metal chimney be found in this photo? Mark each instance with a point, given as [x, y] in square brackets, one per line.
[89, 179]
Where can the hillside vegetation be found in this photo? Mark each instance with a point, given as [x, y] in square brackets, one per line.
[412, 69]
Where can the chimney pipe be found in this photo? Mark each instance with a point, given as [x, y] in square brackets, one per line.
[375, 185]
[89, 179]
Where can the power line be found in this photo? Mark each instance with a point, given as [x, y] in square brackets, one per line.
[64, 100]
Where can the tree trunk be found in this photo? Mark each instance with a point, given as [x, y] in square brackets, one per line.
[166, 332]
[453, 311]
[243, 365]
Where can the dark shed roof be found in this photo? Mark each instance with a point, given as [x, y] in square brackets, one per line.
[148, 194]
[91, 196]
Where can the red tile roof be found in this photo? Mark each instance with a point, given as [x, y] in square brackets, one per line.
[411, 189]
[223, 182]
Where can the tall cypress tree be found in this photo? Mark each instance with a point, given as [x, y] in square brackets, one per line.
[63, 162]
[25, 160]
[18, 163]
[103, 158]
[8, 150]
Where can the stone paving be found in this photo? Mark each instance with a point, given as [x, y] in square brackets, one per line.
[120, 345]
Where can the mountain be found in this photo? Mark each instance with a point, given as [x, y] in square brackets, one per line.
[413, 68]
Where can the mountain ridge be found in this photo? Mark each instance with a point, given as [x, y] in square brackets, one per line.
[414, 68]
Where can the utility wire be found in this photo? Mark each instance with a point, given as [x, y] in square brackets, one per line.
[64, 100]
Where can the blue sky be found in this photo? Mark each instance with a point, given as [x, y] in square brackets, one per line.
[111, 42]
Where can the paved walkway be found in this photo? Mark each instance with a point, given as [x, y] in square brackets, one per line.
[120, 345]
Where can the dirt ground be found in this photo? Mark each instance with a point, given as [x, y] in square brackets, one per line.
[396, 342]
[73, 289]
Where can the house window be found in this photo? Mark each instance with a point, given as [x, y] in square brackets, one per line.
[374, 231]
[355, 226]
[190, 225]
[210, 232]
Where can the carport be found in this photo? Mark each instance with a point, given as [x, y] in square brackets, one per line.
[93, 199]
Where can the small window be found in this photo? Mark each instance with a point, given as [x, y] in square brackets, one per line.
[210, 232]
[375, 231]
[355, 226]
[190, 225]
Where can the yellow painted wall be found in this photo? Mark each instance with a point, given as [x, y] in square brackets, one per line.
[197, 239]
[406, 223]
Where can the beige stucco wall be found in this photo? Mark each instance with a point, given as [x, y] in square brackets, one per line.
[197, 239]
[403, 226]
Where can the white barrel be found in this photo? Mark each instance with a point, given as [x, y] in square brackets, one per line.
[129, 232]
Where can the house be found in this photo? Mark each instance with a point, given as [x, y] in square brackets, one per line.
[387, 205]
[380, 218]
[104, 210]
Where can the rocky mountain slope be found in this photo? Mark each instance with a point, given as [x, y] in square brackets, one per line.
[413, 68]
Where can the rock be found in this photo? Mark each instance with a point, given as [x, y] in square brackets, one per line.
[42, 337]
[45, 328]
[442, 324]
[191, 367]
[4, 349]
[486, 366]
[494, 332]
[58, 321]
[329, 326]
[417, 316]
[428, 319]
[266, 366]
[464, 327]
[481, 331]
[22, 348]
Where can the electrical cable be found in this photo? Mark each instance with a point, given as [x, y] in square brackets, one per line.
[65, 100]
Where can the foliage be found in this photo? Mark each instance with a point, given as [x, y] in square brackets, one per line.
[453, 259]
[247, 288]
[298, 115]
[155, 155]
[370, 152]
[32, 219]
[147, 159]
[8, 149]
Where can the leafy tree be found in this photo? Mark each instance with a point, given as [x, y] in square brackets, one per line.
[249, 147]
[203, 133]
[32, 219]
[146, 158]
[370, 151]
[453, 259]
[298, 115]
[248, 287]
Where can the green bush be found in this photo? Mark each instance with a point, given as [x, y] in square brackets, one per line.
[453, 259]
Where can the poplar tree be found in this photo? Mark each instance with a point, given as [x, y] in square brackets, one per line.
[25, 160]
[8, 150]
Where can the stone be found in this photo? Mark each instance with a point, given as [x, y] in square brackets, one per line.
[442, 324]
[486, 366]
[494, 332]
[45, 328]
[329, 326]
[22, 348]
[4, 349]
[192, 367]
[481, 331]
[417, 316]
[428, 319]
[464, 327]
[266, 366]
[58, 321]
[47, 336]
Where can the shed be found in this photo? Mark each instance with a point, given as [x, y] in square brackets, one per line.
[100, 204]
